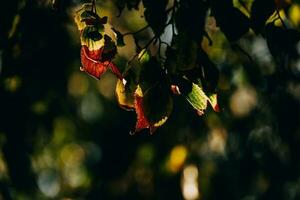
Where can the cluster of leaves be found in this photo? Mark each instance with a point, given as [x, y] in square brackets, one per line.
[98, 49]
[148, 83]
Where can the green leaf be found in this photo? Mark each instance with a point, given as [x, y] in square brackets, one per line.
[198, 99]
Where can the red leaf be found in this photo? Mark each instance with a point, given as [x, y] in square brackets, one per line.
[114, 69]
[91, 63]
[141, 122]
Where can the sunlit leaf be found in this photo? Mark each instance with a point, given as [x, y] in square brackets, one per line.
[198, 99]
[94, 67]
[126, 92]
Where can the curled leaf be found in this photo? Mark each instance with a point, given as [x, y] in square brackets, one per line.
[94, 67]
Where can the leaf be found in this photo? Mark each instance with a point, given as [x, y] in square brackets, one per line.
[86, 17]
[91, 66]
[153, 102]
[261, 10]
[232, 22]
[150, 112]
[94, 67]
[144, 56]
[119, 37]
[151, 74]
[157, 105]
[109, 50]
[126, 92]
[195, 95]
[91, 38]
[142, 121]
[198, 99]
[125, 98]
[182, 55]
[213, 100]
[91, 32]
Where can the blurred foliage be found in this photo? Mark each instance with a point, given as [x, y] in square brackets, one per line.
[63, 136]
